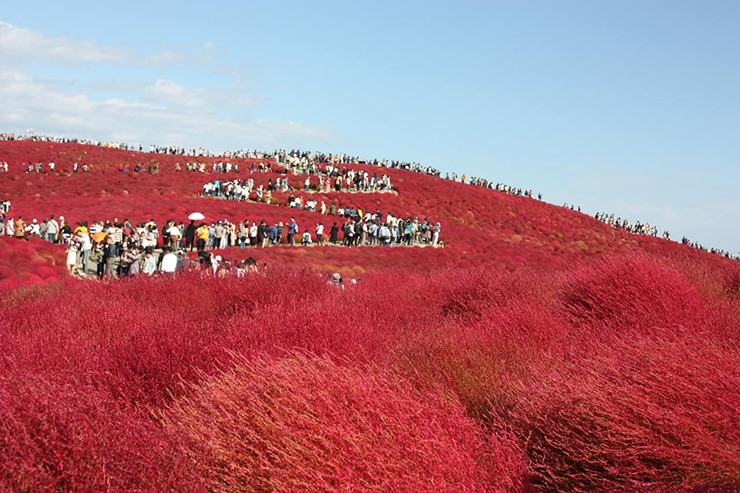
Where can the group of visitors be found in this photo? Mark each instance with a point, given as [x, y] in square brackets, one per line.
[340, 179]
[502, 187]
[303, 159]
[58, 140]
[222, 167]
[216, 167]
[407, 231]
[623, 224]
[359, 229]
[651, 230]
[716, 251]
[356, 229]
[50, 167]
[202, 152]
[241, 190]
[308, 162]
[118, 248]
[349, 180]
[49, 229]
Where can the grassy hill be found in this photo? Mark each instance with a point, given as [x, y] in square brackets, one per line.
[539, 349]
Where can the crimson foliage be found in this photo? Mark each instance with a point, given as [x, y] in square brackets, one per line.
[538, 348]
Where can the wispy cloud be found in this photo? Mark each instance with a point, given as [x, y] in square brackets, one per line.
[19, 45]
[177, 94]
[166, 118]
[163, 111]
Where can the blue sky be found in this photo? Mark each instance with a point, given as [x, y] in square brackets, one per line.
[631, 107]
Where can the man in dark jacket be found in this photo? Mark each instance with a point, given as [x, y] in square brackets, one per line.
[190, 235]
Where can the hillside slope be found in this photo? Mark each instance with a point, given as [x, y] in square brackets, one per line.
[479, 226]
[538, 349]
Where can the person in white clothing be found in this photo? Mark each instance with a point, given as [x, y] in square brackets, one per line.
[169, 262]
[320, 234]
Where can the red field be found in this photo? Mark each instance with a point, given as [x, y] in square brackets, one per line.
[538, 350]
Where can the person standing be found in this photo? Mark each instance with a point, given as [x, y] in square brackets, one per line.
[19, 228]
[279, 233]
[262, 234]
[42, 228]
[244, 234]
[190, 235]
[334, 234]
[111, 258]
[86, 248]
[253, 230]
[73, 248]
[173, 233]
[319, 234]
[218, 233]
[292, 231]
[202, 235]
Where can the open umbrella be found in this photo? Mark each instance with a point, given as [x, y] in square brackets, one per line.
[196, 216]
[98, 237]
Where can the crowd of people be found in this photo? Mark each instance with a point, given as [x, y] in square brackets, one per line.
[115, 246]
[241, 190]
[358, 229]
[173, 150]
[302, 160]
[501, 187]
[637, 228]
[332, 180]
[651, 230]
[716, 251]
[223, 167]
[310, 162]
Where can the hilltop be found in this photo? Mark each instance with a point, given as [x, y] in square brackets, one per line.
[532, 348]
[479, 226]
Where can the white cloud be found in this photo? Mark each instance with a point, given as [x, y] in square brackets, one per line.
[20, 45]
[164, 118]
[178, 94]
[165, 111]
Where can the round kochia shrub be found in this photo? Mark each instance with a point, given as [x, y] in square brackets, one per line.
[640, 412]
[631, 292]
[307, 424]
[65, 435]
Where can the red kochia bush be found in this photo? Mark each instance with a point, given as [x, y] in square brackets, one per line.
[648, 411]
[67, 436]
[631, 292]
[28, 263]
[307, 424]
